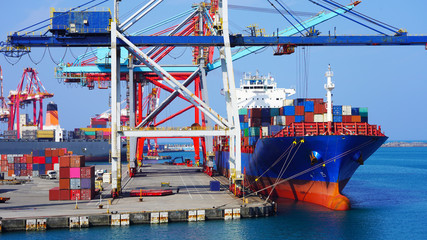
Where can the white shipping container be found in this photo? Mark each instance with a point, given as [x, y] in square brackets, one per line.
[56, 167]
[346, 110]
[264, 131]
[318, 118]
[288, 102]
[280, 120]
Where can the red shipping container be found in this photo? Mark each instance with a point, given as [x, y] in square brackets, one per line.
[48, 152]
[49, 166]
[4, 157]
[4, 168]
[319, 108]
[29, 166]
[64, 184]
[315, 100]
[11, 166]
[64, 173]
[22, 159]
[346, 119]
[309, 117]
[299, 110]
[64, 161]
[77, 161]
[75, 194]
[64, 194]
[74, 172]
[24, 172]
[281, 111]
[54, 194]
[55, 160]
[87, 172]
[42, 160]
[246, 118]
[290, 119]
[86, 194]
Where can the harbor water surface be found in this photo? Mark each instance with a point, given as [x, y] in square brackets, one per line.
[388, 195]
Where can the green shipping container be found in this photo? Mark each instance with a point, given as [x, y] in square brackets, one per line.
[253, 131]
[274, 112]
[90, 133]
[246, 132]
[243, 111]
[363, 111]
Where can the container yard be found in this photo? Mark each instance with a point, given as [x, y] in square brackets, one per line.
[58, 202]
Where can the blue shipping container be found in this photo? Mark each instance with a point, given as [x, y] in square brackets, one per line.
[289, 111]
[265, 112]
[241, 118]
[299, 102]
[355, 111]
[253, 140]
[299, 119]
[48, 159]
[244, 125]
[35, 166]
[274, 129]
[309, 106]
[337, 119]
[337, 110]
[364, 119]
[215, 186]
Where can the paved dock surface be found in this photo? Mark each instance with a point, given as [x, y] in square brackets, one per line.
[32, 199]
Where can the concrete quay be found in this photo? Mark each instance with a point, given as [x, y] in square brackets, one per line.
[30, 209]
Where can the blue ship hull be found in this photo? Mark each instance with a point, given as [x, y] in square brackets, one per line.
[313, 169]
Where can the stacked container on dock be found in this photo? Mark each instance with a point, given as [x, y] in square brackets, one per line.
[75, 180]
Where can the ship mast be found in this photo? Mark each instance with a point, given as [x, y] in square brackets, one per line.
[329, 86]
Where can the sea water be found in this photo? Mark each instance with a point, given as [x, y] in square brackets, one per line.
[388, 195]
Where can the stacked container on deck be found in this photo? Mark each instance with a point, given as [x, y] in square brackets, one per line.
[256, 122]
[75, 180]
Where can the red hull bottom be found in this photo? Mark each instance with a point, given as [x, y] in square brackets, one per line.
[322, 193]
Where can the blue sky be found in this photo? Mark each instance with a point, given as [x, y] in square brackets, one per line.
[390, 81]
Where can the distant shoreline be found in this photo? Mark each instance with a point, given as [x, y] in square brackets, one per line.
[405, 144]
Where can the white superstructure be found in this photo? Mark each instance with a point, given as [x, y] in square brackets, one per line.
[261, 92]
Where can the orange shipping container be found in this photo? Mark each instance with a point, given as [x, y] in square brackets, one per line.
[29, 159]
[77, 161]
[48, 152]
[356, 119]
[55, 152]
[64, 184]
[10, 173]
[64, 161]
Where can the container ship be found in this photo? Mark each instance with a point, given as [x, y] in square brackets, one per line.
[302, 149]
[91, 142]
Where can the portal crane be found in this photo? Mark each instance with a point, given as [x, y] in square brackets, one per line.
[30, 90]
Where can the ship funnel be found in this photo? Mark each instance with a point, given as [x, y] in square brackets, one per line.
[52, 115]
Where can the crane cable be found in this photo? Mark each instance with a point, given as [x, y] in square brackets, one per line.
[284, 17]
[37, 62]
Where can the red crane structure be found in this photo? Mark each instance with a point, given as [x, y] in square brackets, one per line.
[30, 90]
